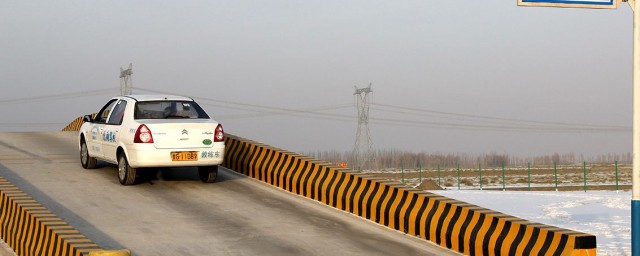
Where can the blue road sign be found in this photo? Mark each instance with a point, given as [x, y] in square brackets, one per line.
[610, 4]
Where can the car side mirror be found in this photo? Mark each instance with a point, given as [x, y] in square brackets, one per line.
[88, 118]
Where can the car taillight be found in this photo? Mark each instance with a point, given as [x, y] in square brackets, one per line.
[143, 135]
[219, 134]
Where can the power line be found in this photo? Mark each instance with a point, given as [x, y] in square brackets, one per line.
[478, 122]
[55, 96]
[30, 124]
[259, 109]
[498, 127]
[220, 100]
[510, 120]
[471, 127]
[516, 125]
[275, 113]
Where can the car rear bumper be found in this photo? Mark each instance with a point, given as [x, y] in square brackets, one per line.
[141, 156]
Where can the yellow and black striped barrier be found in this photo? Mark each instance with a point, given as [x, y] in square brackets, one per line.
[30, 229]
[75, 124]
[457, 225]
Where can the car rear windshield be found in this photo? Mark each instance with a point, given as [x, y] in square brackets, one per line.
[168, 110]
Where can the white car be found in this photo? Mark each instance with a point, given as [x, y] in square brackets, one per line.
[138, 131]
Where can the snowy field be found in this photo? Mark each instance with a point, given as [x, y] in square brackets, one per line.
[605, 214]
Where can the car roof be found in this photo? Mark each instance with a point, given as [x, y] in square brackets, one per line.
[158, 97]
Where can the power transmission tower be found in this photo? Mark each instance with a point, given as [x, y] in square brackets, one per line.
[126, 86]
[363, 155]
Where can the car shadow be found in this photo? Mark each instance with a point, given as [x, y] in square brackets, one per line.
[153, 175]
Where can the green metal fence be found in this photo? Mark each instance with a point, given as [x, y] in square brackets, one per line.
[525, 176]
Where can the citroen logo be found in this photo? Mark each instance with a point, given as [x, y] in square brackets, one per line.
[185, 132]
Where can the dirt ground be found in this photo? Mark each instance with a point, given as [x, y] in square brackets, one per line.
[569, 177]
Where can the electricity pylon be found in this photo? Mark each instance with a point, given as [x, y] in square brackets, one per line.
[126, 86]
[363, 155]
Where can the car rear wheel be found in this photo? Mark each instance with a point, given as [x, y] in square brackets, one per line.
[208, 174]
[86, 160]
[126, 174]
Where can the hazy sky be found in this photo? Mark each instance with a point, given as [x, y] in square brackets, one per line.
[486, 58]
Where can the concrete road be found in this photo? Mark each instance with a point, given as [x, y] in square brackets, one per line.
[173, 213]
[5, 250]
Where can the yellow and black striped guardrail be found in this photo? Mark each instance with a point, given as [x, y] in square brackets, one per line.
[450, 223]
[30, 229]
[457, 225]
[75, 124]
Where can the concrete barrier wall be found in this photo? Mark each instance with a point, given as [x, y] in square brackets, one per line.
[31, 229]
[457, 225]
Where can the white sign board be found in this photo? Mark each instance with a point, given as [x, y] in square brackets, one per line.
[602, 4]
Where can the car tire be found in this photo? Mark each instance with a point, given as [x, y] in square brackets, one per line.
[86, 160]
[126, 174]
[208, 174]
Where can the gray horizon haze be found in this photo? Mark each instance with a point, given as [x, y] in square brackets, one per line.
[446, 76]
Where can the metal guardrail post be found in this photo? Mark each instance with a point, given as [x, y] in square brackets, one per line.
[555, 173]
[480, 168]
[617, 191]
[439, 175]
[584, 168]
[635, 177]
[402, 167]
[503, 183]
[529, 174]
[420, 179]
[458, 176]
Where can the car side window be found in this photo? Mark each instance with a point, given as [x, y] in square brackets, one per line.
[101, 118]
[117, 113]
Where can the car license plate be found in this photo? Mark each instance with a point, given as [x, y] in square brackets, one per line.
[184, 156]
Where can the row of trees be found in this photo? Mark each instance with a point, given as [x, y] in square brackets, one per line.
[393, 158]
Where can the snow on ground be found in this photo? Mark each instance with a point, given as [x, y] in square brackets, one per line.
[605, 214]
